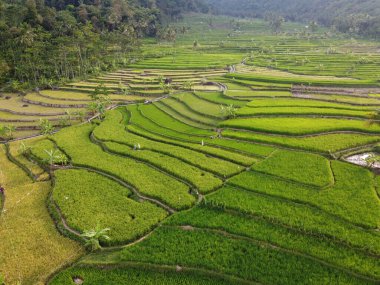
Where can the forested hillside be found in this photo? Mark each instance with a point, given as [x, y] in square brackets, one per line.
[353, 16]
[43, 41]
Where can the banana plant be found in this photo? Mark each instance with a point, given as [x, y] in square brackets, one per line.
[228, 111]
[95, 236]
[9, 131]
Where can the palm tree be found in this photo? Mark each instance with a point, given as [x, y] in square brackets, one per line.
[95, 236]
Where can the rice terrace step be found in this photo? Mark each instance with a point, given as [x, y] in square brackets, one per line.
[189, 142]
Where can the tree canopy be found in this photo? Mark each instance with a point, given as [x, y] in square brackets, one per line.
[349, 16]
[56, 40]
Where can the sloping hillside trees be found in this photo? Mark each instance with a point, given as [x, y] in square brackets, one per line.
[45, 41]
[348, 16]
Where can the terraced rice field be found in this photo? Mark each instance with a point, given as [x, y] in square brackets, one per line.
[237, 178]
[70, 103]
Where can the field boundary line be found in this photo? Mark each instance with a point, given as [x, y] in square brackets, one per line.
[157, 266]
[275, 247]
[298, 230]
[304, 204]
[111, 152]
[126, 185]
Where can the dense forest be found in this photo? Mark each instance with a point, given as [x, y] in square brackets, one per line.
[45, 41]
[348, 16]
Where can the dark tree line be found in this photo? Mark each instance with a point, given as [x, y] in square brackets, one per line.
[175, 8]
[46, 41]
[349, 16]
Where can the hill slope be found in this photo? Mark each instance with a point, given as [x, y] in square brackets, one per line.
[360, 16]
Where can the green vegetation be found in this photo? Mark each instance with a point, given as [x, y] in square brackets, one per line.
[300, 126]
[113, 129]
[304, 111]
[325, 143]
[25, 217]
[176, 115]
[351, 196]
[217, 252]
[294, 102]
[88, 200]
[250, 94]
[265, 231]
[199, 105]
[94, 237]
[76, 143]
[219, 98]
[150, 129]
[153, 114]
[185, 111]
[34, 32]
[46, 152]
[301, 81]
[202, 180]
[353, 100]
[19, 151]
[295, 215]
[137, 275]
[285, 164]
[210, 150]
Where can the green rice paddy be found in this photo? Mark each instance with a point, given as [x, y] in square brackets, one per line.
[239, 178]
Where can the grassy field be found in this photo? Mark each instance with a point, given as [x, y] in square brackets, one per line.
[301, 126]
[286, 164]
[31, 248]
[87, 154]
[110, 200]
[323, 143]
[233, 173]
